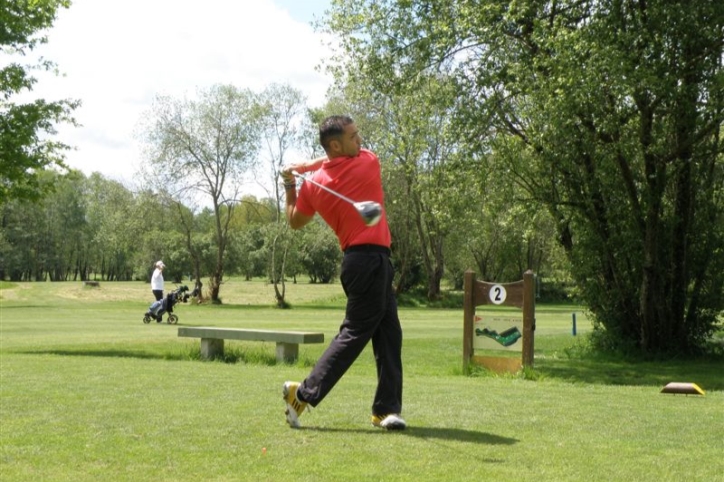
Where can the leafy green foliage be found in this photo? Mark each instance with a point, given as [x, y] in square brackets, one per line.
[319, 253]
[448, 207]
[606, 114]
[26, 144]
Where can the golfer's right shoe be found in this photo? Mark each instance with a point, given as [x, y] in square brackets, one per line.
[295, 407]
[391, 421]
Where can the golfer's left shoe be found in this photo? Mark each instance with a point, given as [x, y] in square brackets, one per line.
[391, 421]
[295, 407]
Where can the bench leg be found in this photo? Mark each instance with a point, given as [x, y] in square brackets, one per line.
[287, 351]
[211, 348]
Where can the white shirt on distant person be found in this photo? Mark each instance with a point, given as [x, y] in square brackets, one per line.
[157, 278]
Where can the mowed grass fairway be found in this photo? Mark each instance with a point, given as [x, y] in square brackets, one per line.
[90, 393]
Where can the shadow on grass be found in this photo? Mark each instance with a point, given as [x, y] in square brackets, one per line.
[705, 373]
[111, 353]
[439, 433]
[231, 356]
[306, 306]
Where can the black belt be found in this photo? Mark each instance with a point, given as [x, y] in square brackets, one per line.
[367, 248]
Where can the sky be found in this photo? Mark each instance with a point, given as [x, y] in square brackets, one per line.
[116, 56]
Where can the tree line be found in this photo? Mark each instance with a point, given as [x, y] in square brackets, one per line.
[94, 228]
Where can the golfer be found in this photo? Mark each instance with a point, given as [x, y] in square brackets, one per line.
[366, 274]
[157, 280]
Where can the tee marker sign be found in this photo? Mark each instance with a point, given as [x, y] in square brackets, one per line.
[496, 333]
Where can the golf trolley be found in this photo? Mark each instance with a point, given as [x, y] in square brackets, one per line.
[166, 304]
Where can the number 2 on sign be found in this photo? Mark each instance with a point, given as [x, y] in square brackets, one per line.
[497, 294]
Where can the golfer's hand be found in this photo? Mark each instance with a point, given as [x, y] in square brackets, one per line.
[286, 175]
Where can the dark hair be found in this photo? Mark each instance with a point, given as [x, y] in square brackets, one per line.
[332, 128]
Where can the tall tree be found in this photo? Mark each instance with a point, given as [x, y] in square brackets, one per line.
[21, 238]
[65, 224]
[26, 129]
[116, 229]
[284, 111]
[608, 113]
[201, 148]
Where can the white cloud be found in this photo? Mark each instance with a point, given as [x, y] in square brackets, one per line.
[117, 55]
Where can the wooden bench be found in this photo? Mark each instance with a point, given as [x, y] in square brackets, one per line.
[93, 284]
[212, 339]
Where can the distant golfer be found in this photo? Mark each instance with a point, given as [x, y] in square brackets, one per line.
[366, 274]
[157, 280]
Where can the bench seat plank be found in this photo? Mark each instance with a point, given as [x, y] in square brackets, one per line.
[251, 335]
[212, 339]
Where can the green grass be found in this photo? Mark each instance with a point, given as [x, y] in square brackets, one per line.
[90, 393]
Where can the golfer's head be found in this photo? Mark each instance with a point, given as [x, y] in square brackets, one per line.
[339, 136]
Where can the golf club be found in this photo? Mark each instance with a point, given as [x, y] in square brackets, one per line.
[370, 211]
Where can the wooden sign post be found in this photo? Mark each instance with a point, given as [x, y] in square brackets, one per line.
[520, 294]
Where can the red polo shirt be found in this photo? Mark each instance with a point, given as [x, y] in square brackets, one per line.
[357, 178]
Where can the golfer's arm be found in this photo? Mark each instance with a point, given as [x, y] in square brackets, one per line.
[296, 219]
[302, 167]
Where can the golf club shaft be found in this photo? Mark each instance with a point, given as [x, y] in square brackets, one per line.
[345, 198]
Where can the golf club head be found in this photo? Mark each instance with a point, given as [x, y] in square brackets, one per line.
[370, 211]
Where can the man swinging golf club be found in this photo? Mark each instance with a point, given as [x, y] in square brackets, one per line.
[349, 172]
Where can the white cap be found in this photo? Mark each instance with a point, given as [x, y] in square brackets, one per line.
[160, 264]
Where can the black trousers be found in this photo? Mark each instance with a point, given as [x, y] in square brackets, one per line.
[158, 294]
[371, 314]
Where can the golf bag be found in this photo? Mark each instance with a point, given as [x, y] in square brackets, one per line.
[166, 304]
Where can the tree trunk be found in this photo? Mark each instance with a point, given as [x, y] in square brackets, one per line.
[435, 276]
[277, 275]
[685, 124]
